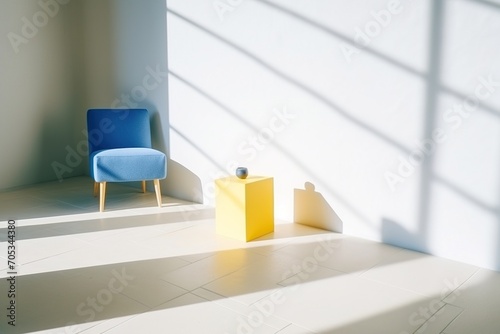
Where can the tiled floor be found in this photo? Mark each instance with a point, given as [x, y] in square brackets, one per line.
[137, 268]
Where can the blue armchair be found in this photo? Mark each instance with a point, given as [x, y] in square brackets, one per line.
[120, 150]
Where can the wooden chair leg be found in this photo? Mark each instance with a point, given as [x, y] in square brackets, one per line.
[144, 186]
[158, 192]
[96, 188]
[102, 198]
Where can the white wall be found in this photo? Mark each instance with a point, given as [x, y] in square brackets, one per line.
[141, 62]
[126, 60]
[83, 54]
[39, 89]
[356, 111]
[126, 54]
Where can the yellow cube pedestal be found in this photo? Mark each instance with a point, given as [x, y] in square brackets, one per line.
[244, 209]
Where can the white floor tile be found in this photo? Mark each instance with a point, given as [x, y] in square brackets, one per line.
[38, 248]
[340, 253]
[410, 270]
[480, 299]
[191, 314]
[48, 301]
[439, 321]
[152, 291]
[88, 257]
[294, 329]
[30, 207]
[283, 235]
[257, 280]
[103, 326]
[264, 308]
[349, 304]
[206, 270]
[199, 238]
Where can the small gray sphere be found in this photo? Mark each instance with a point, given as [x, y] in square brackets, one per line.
[242, 172]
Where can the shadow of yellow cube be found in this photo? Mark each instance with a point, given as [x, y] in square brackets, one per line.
[244, 208]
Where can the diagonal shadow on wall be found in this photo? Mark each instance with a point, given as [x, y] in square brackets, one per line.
[380, 56]
[332, 105]
[297, 162]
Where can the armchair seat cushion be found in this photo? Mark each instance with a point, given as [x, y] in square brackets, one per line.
[127, 164]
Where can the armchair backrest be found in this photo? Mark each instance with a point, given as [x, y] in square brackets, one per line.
[118, 128]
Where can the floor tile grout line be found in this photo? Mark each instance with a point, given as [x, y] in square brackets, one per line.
[86, 329]
[462, 284]
[177, 297]
[454, 318]
[121, 323]
[63, 235]
[149, 307]
[51, 256]
[429, 319]
[401, 288]
[377, 264]
[218, 302]
[293, 323]
[202, 286]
